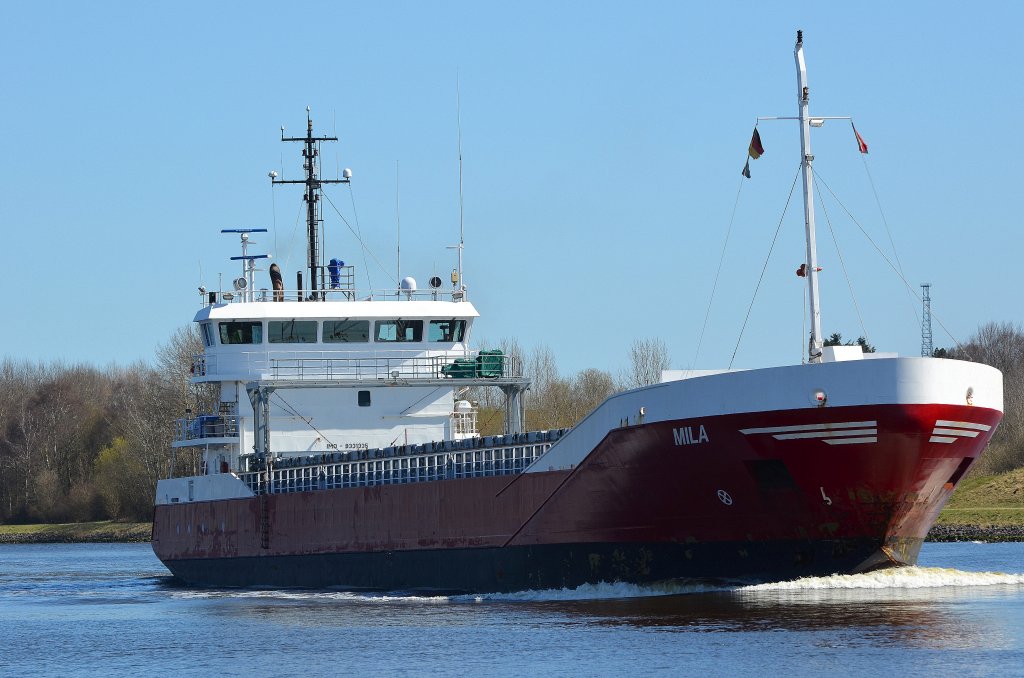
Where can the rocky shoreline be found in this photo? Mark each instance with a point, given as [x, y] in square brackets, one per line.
[967, 532]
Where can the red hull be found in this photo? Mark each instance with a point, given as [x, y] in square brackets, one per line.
[756, 483]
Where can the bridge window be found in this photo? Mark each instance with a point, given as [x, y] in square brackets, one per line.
[446, 330]
[364, 399]
[346, 331]
[241, 332]
[208, 338]
[291, 331]
[399, 330]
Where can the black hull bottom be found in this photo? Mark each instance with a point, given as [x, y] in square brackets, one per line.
[556, 566]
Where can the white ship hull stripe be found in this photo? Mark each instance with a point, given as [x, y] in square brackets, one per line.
[955, 432]
[851, 441]
[827, 434]
[809, 427]
[941, 439]
[963, 424]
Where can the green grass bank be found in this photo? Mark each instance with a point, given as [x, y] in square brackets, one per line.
[65, 533]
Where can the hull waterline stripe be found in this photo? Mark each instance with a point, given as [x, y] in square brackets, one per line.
[963, 424]
[809, 427]
[941, 439]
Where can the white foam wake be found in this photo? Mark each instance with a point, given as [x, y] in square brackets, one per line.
[298, 595]
[601, 591]
[895, 578]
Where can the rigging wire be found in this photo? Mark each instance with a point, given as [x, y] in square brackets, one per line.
[308, 422]
[842, 263]
[487, 423]
[359, 234]
[273, 202]
[427, 395]
[363, 244]
[765, 267]
[714, 287]
[888, 232]
[878, 249]
[291, 240]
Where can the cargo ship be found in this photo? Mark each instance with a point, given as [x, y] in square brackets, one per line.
[344, 451]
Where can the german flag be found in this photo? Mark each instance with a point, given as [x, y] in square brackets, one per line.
[756, 150]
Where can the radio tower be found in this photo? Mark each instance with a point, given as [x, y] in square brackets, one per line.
[926, 321]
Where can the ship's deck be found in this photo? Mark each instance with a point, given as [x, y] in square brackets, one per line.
[473, 457]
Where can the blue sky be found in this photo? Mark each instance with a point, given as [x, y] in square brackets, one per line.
[602, 146]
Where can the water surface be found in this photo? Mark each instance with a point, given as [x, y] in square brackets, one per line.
[112, 609]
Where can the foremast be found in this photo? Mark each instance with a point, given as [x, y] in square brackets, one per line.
[814, 350]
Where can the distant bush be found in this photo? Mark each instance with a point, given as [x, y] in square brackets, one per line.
[1001, 345]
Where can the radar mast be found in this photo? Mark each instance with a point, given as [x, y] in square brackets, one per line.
[314, 187]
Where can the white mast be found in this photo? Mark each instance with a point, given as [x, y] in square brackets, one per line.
[458, 286]
[803, 96]
[462, 228]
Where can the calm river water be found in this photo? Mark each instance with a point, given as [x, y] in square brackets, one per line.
[114, 610]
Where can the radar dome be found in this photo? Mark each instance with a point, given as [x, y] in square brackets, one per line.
[408, 286]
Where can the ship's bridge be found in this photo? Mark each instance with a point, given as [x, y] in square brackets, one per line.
[407, 339]
[300, 348]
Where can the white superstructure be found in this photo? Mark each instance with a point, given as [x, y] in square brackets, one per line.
[388, 361]
[331, 369]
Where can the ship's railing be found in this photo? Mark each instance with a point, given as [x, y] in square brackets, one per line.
[206, 426]
[476, 463]
[398, 368]
[333, 294]
[464, 423]
[361, 365]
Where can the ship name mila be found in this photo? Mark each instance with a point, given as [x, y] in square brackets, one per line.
[688, 435]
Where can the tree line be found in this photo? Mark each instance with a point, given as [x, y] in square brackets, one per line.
[78, 442]
[1000, 345]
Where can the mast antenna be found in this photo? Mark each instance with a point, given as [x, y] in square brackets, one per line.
[462, 227]
[458, 287]
[246, 285]
[398, 220]
[314, 188]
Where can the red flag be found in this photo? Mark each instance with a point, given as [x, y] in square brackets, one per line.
[862, 145]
